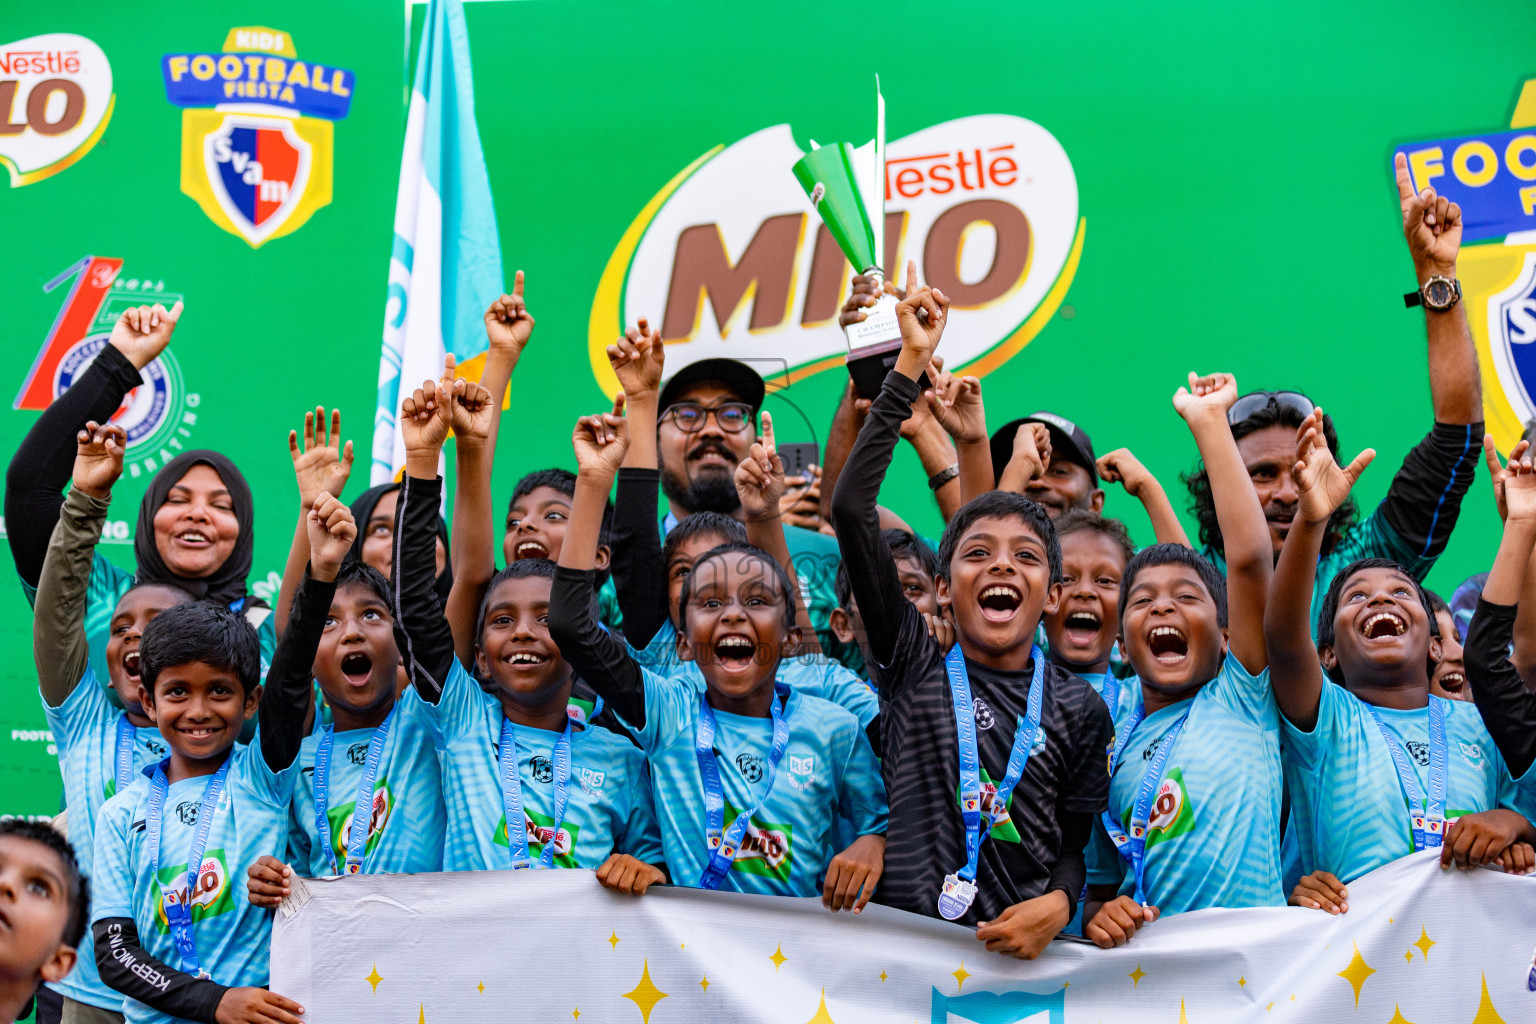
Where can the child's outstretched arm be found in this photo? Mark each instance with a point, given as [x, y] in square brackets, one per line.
[1249, 551]
[639, 574]
[322, 464]
[421, 629]
[598, 657]
[474, 541]
[855, 514]
[1294, 671]
[1507, 707]
[1523, 651]
[955, 403]
[760, 486]
[1123, 468]
[59, 644]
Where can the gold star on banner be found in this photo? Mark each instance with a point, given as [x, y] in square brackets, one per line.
[1293, 997]
[822, 1016]
[1486, 1014]
[645, 995]
[422, 1017]
[1356, 973]
[1397, 1016]
[1424, 942]
[1183, 1017]
[481, 987]
[1270, 1008]
[576, 1013]
[1242, 982]
[613, 941]
[374, 977]
[704, 984]
[1408, 956]
[883, 976]
[778, 957]
[960, 974]
[1137, 975]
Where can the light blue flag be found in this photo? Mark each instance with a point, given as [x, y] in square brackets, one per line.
[446, 265]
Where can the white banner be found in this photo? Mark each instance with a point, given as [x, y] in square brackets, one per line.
[1418, 946]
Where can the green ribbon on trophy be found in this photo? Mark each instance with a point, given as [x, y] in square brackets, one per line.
[847, 188]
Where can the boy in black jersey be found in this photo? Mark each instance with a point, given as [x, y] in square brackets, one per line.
[1000, 571]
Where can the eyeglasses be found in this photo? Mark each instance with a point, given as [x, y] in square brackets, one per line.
[733, 417]
[1255, 402]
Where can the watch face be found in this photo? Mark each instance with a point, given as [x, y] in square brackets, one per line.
[1438, 293]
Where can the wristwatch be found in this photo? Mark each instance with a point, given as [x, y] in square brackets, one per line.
[944, 476]
[1439, 294]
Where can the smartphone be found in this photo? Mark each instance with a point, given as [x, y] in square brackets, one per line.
[799, 458]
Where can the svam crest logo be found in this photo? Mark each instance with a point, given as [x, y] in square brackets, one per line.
[1492, 177]
[257, 131]
[999, 1008]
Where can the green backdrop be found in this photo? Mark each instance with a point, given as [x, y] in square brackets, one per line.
[1233, 166]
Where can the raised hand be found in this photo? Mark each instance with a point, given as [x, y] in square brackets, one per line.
[142, 332]
[1497, 471]
[1123, 468]
[1323, 485]
[922, 315]
[637, 359]
[864, 296]
[99, 458]
[1212, 395]
[473, 407]
[508, 324]
[760, 477]
[331, 530]
[425, 416]
[955, 402]
[1431, 225]
[1520, 488]
[321, 463]
[601, 442]
[1031, 455]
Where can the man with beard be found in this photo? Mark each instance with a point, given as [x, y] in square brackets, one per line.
[1071, 477]
[1414, 521]
[706, 427]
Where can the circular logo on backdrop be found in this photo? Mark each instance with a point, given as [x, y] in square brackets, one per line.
[145, 414]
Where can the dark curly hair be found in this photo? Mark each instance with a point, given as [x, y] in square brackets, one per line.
[1202, 504]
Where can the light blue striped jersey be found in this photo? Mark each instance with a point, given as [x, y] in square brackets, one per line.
[608, 804]
[1213, 838]
[1348, 804]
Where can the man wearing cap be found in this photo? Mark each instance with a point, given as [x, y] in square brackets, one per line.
[706, 426]
[1413, 523]
[1070, 480]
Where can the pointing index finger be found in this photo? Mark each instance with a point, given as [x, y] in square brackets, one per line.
[1404, 182]
[768, 444]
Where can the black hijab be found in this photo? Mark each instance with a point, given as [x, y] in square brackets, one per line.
[362, 510]
[227, 583]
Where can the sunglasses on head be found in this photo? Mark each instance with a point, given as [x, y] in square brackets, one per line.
[733, 417]
[1255, 402]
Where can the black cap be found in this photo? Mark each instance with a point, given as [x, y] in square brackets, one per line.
[1068, 441]
[743, 381]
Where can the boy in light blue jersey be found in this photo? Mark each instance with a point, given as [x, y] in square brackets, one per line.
[750, 775]
[575, 797]
[373, 767]
[1194, 800]
[174, 931]
[101, 748]
[1378, 767]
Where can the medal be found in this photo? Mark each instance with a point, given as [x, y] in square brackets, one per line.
[956, 897]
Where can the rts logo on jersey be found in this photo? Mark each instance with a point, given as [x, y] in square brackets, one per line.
[257, 131]
[1492, 177]
[802, 771]
[158, 414]
[55, 101]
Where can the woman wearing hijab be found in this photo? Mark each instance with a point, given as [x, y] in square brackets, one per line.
[196, 522]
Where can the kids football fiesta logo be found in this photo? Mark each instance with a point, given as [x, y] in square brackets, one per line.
[55, 101]
[1492, 177]
[731, 261]
[257, 131]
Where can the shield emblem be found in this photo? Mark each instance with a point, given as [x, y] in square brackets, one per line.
[1512, 333]
[257, 169]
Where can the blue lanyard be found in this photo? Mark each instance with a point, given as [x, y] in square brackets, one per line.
[725, 843]
[1426, 819]
[127, 733]
[178, 907]
[1133, 847]
[977, 827]
[362, 811]
[512, 795]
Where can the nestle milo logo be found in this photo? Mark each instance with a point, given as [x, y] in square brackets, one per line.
[733, 261]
